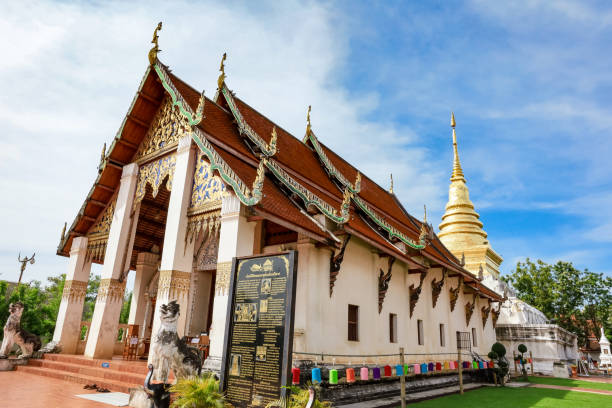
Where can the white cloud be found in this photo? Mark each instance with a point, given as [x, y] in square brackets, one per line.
[69, 72]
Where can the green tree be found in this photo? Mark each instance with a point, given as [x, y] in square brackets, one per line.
[579, 301]
[125, 308]
[90, 297]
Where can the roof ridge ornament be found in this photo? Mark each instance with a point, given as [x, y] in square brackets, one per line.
[308, 126]
[391, 186]
[222, 76]
[199, 113]
[426, 234]
[102, 158]
[153, 51]
[272, 145]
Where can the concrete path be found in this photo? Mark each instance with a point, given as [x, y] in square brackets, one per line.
[412, 397]
[580, 389]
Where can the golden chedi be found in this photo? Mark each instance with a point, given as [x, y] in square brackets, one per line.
[461, 229]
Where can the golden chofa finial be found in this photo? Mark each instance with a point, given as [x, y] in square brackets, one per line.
[222, 70]
[272, 145]
[391, 188]
[425, 214]
[153, 52]
[453, 119]
[358, 182]
[308, 127]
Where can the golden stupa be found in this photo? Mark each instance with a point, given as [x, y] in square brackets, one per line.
[461, 229]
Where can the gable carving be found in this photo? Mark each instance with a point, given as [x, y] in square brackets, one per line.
[208, 189]
[167, 127]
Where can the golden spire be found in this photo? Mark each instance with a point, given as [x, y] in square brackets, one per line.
[222, 70]
[391, 187]
[308, 127]
[153, 51]
[457, 171]
[425, 214]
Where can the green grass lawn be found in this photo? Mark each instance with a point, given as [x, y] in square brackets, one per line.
[518, 398]
[567, 382]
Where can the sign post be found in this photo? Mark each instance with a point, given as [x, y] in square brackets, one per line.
[258, 345]
[403, 379]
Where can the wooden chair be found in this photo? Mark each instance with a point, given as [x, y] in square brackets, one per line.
[130, 348]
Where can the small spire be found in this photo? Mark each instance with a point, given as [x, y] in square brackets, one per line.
[222, 70]
[391, 187]
[63, 232]
[308, 127]
[425, 212]
[153, 51]
[457, 171]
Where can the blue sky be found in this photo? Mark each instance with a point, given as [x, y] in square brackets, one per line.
[529, 82]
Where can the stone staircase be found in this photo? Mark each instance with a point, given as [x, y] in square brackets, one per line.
[120, 376]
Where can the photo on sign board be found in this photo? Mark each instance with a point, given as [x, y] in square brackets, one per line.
[266, 286]
[261, 353]
[263, 306]
[245, 313]
[235, 363]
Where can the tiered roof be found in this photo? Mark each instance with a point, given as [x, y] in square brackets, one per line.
[281, 178]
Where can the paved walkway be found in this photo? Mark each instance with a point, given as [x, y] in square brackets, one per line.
[22, 390]
[564, 388]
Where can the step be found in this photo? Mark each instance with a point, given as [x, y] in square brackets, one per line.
[136, 367]
[114, 374]
[116, 386]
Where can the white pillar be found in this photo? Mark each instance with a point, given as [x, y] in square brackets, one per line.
[177, 255]
[68, 323]
[146, 266]
[236, 238]
[105, 321]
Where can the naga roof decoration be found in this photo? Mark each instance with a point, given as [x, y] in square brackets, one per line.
[329, 167]
[268, 150]
[247, 197]
[355, 188]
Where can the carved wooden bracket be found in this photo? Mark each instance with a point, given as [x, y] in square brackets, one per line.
[469, 309]
[436, 288]
[335, 262]
[495, 314]
[415, 293]
[383, 284]
[454, 293]
[484, 311]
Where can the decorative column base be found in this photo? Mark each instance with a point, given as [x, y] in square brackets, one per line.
[68, 325]
[105, 322]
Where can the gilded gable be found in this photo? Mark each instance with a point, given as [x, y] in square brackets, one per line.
[167, 127]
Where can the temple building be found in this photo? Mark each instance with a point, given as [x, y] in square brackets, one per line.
[188, 183]
[461, 231]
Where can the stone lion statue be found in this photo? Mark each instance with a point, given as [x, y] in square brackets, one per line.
[14, 334]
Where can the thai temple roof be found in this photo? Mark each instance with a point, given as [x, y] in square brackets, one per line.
[297, 183]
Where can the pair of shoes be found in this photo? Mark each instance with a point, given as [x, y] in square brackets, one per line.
[90, 387]
[103, 389]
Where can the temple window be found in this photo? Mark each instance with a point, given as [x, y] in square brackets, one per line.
[392, 328]
[474, 342]
[442, 335]
[420, 332]
[353, 323]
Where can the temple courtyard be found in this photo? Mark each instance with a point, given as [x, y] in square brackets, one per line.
[592, 393]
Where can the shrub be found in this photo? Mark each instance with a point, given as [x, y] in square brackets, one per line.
[198, 392]
[498, 353]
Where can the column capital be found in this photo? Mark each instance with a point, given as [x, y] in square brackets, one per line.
[110, 290]
[129, 170]
[184, 144]
[147, 258]
[78, 244]
[230, 205]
